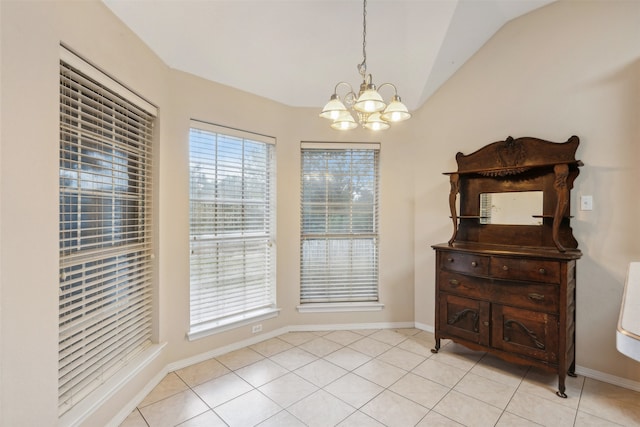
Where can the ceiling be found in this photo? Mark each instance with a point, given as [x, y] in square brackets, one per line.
[296, 51]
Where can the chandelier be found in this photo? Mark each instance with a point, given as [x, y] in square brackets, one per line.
[368, 106]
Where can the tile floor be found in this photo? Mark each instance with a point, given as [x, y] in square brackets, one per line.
[375, 378]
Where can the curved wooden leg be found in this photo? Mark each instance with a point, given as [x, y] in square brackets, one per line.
[561, 386]
[435, 350]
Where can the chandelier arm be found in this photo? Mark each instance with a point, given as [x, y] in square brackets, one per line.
[395, 90]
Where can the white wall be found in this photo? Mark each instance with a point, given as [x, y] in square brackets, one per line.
[572, 67]
[568, 68]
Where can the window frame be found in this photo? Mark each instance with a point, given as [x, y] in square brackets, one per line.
[199, 325]
[105, 230]
[329, 304]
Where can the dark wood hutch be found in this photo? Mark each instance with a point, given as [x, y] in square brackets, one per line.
[510, 288]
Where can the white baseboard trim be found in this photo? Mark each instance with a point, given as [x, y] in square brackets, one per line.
[424, 327]
[608, 378]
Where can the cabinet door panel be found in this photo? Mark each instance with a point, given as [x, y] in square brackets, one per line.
[465, 318]
[525, 332]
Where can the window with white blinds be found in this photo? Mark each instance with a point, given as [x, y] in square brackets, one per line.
[105, 229]
[339, 230]
[232, 225]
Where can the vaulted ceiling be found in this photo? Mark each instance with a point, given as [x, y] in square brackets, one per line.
[295, 51]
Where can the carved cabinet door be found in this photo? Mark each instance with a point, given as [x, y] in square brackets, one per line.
[465, 318]
[526, 332]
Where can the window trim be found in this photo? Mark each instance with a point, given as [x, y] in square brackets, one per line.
[226, 323]
[346, 306]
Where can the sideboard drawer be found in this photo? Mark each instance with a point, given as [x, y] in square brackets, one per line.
[540, 297]
[463, 285]
[525, 269]
[465, 263]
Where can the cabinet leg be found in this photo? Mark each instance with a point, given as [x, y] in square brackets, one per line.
[572, 370]
[435, 350]
[561, 387]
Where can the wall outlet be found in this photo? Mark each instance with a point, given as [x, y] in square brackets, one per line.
[586, 203]
[256, 328]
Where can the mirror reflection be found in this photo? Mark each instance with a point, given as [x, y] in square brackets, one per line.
[513, 208]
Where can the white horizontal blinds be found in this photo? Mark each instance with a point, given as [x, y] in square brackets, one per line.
[105, 232]
[231, 224]
[339, 240]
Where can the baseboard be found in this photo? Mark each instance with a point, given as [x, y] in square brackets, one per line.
[608, 378]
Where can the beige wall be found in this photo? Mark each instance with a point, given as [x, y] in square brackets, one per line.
[569, 68]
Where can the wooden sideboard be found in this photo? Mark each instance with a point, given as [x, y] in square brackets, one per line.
[510, 288]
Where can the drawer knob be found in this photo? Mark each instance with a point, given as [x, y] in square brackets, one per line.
[474, 264]
[542, 271]
[485, 323]
[450, 259]
[535, 297]
[505, 267]
[454, 282]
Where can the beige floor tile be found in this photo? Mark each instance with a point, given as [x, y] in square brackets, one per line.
[222, 389]
[541, 410]
[208, 419]
[240, 358]
[458, 356]
[343, 337]
[359, 419]
[370, 347]
[261, 372]
[170, 385]
[388, 336]
[134, 419]
[347, 358]
[511, 420]
[294, 358]
[420, 390]
[392, 410]
[496, 369]
[485, 390]
[297, 338]
[354, 390]
[271, 347]
[380, 372]
[418, 346]
[321, 409]
[282, 419]
[441, 373]
[610, 402]
[467, 410]
[288, 389]
[401, 358]
[202, 372]
[407, 332]
[433, 419]
[248, 409]
[584, 419]
[174, 410]
[320, 346]
[545, 384]
[320, 372]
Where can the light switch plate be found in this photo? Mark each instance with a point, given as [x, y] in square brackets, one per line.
[586, 203]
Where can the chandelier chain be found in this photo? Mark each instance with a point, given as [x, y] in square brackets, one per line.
[362, 67]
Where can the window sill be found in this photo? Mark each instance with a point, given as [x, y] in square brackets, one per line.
[230, 323]
[340, 307]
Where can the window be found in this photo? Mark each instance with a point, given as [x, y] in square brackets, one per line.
[339, 231]
[232, 227]
[105, 228]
